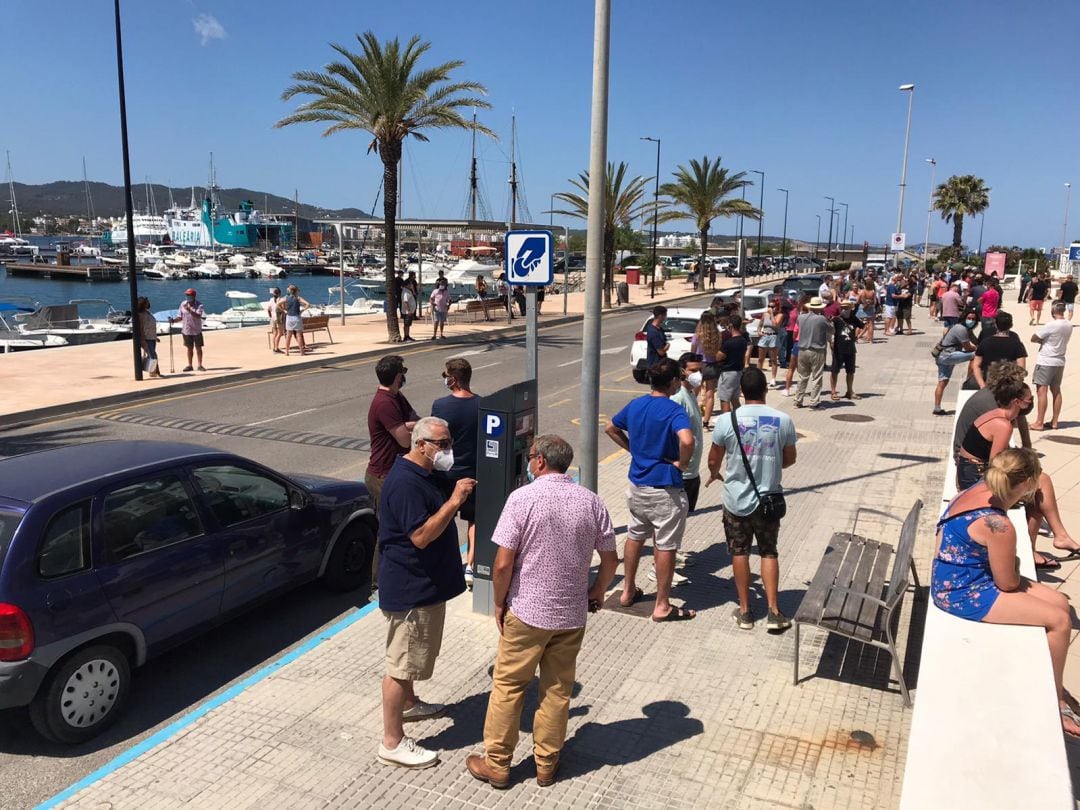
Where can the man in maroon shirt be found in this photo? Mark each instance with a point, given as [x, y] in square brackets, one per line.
[390, 422]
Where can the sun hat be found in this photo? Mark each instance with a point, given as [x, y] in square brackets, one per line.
[816, 303]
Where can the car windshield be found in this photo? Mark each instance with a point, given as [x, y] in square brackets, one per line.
[685, 325]
[755, 302]
[9, 521]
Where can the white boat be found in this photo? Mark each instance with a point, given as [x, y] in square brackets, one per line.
[266, 269]
[246, 310]
[207, 269]
[360, 299]
[467, 270]
[77, 328]
[147, 227]
[11, 339]
[162, 272]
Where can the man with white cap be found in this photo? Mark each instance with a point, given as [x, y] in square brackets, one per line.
[815, 331]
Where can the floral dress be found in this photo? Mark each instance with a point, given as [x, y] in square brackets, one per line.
[960, 579]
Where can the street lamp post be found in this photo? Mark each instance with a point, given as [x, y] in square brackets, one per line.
[929, 210]
[783, 239]
[843, 233]
[910, 90]
[828, 252]
[982, 221]
[817, 240]
[1065, 226]
[761, 213]
[656, 216]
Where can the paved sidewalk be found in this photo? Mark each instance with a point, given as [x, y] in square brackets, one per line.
[695, 714]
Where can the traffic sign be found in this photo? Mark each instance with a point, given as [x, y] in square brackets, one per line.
[1074, 253]
[898, 241]
[529, 257]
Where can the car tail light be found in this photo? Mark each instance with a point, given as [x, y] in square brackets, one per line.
[640, 336]
[16, 633]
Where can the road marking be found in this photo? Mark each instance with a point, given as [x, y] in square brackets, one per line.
[613, 457]
[286, 416]
[569, 363]
[489, 365]
[469, 353]
[191, 717]
[613, 350]
[621, 390]
[560, 402]
[623, 378]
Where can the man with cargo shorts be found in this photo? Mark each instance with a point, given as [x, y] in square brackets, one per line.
[419, 572]
[1050, 364]
[657, 433]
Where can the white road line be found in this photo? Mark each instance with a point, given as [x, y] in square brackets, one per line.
[569, 363]
[489, 365]
[469, 353]
[286, 416]
[613, 350]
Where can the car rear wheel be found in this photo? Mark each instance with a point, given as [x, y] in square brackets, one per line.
[83, 695]
[349, 566]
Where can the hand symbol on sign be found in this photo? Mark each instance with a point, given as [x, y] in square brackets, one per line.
[529, 255]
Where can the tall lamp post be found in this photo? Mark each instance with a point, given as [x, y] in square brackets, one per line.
[817, 240]
[843, 233]
[1065, 226]
[656, 216]
[133, 288]
[783, 239]
[929, 210]
[828, 252]
[761, 219]
[910, 90]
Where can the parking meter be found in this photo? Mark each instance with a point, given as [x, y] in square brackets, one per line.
[505, 433]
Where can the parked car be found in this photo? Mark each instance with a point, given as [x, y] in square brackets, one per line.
[806, 284]
[111, 552]
[678, 328]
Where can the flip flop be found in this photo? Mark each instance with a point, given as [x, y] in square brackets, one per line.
[1072, 555]
[676, 615]
[1071, 715]
[638, 593]
[1048, 564]
[835, 397]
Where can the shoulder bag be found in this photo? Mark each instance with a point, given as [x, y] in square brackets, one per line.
[773, 505]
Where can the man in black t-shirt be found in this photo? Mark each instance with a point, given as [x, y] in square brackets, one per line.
[732, 358]
[1004, 344]
[1067, 295]
[1040, 285]
[846, 326]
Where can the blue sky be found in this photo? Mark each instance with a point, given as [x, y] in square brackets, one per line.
[806, 92]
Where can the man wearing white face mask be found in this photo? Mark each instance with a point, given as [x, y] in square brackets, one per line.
[419, 571]
[691, 365]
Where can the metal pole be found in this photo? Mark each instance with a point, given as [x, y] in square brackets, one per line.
[761, 218]
[783, 239]
[929, 210]
[817, 239]
[594, 249]
[566, 270]
[910, 90]
[341, 268]
[656, 216]
[133, 285]
[982, 221]
[1065, 227]
[843, 233]
[828, 253]
[531, 364]
[741, 257]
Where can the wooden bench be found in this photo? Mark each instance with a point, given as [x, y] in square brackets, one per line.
[985, 731]
[312, 324]
[849, 595]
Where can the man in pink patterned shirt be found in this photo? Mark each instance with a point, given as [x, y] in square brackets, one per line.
[546, 535]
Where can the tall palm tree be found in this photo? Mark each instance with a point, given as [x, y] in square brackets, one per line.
[382, 91]
[705, 191]
[624, 201]
[960, 196]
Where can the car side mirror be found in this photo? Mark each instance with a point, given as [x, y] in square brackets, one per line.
[297, 499]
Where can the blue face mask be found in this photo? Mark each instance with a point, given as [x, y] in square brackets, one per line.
[529, 473]
[969, 324]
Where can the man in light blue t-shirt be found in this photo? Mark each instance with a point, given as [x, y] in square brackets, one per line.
[657, 433]
[768, 438]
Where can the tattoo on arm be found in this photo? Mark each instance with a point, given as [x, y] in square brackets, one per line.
[996, 524]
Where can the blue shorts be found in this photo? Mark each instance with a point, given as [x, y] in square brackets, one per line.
[440, 317]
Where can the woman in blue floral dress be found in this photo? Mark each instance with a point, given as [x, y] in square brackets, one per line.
[975, 576]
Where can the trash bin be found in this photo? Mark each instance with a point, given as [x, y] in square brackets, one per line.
[622, 290]
[633, 275]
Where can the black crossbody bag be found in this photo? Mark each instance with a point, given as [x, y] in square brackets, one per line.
[773, 505]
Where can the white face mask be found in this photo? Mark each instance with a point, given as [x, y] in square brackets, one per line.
[446, 382]
[443, 460]
[694, 378]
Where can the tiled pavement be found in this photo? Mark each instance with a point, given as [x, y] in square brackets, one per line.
[694, 714]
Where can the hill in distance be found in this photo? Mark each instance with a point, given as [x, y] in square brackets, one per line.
[67, 198]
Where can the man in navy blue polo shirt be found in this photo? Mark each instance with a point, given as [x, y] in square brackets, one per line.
[656, 432]
[419, 571]
[656, 343]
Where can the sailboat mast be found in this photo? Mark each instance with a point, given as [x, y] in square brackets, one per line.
[14, 205]
[296, 219]
[89, 199]
[210, 192]
[474, 189]
[513, 170]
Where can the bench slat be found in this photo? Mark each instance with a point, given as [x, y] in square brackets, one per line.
[868, 616]
[834, 604]
[813, 602]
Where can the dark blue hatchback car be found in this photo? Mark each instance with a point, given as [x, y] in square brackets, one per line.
[113, 551]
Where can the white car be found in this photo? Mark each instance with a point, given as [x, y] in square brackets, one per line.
[678, 329]
[755, 302]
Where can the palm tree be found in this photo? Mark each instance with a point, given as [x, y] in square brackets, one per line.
[381, 91]
[624, 201]
[705, 192]
[960, 196]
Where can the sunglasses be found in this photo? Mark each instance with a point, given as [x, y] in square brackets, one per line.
[442, 444]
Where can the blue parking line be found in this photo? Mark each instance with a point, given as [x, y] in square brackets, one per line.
[214, 702]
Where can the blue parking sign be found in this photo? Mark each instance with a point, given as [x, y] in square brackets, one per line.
[529, 257]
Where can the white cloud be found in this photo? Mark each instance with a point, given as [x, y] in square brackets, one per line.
[208, 28]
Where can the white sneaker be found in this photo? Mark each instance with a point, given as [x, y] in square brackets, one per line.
[683, 560]
[423, 711]
[408, 755]
[676, 577]
[468, 577]
[787, 392]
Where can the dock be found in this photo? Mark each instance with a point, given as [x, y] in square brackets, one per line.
[65, 272]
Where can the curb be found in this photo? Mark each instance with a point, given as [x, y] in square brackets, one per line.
[29, 418]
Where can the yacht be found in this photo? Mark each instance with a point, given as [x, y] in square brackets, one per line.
[11, 339]
[148, 228]
[162, 272]
[266, 269]
[246, 310]
[360, 299]
[75, 326]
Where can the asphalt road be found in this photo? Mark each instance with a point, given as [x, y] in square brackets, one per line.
[313, 422]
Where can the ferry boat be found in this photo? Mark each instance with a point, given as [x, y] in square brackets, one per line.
[149, 228]
[246, 227]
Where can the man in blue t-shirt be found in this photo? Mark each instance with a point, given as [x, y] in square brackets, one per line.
[656, 343]
[767, 436]
[657, 433]
[419, 572]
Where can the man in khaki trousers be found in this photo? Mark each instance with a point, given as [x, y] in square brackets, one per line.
[547, 534]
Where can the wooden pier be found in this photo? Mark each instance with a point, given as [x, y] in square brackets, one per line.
[68, 272]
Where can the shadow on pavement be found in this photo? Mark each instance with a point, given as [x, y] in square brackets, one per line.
[595, 745]
[188, 674]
